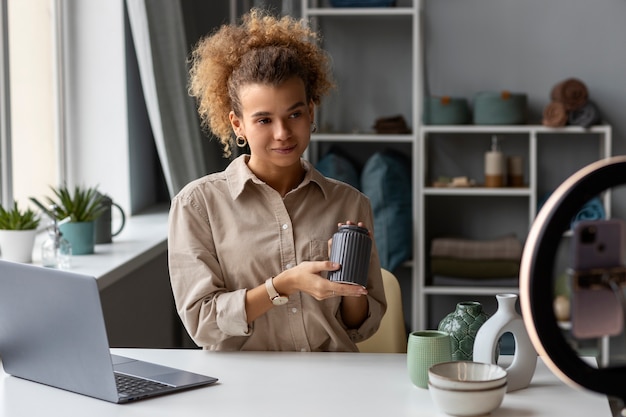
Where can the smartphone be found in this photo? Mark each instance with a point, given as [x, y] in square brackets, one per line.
[596, 308]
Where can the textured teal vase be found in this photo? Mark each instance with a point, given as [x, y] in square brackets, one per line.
[462, 325]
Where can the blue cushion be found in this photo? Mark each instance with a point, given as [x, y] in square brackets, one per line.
[337, 166]
[386, 180]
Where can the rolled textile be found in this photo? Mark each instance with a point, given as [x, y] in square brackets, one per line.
[571, 92]
[591, 210]
[585, 116]
[554, 114]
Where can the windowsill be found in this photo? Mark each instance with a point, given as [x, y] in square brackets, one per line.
[144, 238]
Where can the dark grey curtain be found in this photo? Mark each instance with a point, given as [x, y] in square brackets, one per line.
[158, 31]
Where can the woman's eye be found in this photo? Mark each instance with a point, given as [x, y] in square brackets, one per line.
[264, 121]
[296, 115]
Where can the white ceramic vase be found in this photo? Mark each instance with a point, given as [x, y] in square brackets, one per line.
[507, 320]
[17, 245]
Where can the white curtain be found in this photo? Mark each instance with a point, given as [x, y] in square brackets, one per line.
[158, 31]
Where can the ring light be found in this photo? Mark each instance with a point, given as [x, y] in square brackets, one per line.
[537, 269]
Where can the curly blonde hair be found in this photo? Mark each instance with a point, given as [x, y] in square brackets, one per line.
[262, 49]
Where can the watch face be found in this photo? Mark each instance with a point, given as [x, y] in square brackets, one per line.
[279, 301]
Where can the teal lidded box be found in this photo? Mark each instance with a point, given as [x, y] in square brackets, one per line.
[446, 110]
[500, 108]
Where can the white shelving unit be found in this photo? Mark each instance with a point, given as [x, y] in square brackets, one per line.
[377, 57]
[542, 152]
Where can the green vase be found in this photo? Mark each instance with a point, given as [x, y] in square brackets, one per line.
[462, 325]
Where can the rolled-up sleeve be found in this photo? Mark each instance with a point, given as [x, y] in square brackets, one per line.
[209, 312]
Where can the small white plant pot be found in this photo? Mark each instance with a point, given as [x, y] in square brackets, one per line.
[17, 245]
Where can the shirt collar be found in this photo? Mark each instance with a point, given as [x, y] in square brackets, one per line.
[238, 175]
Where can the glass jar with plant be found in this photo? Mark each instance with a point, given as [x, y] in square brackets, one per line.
[81, 206]
[18, 229]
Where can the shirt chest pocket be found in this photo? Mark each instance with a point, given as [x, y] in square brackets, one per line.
[318, 250]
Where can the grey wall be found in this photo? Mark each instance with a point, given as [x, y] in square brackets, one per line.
[529, 46]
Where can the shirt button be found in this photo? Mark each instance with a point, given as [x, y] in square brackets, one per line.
[303, 350]
[285, 226]
[294, 310]
[288, 266]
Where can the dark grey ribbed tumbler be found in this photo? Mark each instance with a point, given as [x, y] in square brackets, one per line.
[351, 247]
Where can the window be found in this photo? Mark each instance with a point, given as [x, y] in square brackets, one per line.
[33, 130]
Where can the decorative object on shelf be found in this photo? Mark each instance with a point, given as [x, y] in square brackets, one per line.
[514, 171]
[494, 165]
[507, 319]
[554, 115]
[585, 116]
[391, 125]
[462, 325]
[104, 226]
[386, 180]
[56, 251]
[82, 205]
[18, 229]
[570, 105]
[593, 209]
[572, 92]
[362, 3]
[446, 110]
[500, 108]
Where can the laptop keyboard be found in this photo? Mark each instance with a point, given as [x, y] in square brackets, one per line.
[130, 386]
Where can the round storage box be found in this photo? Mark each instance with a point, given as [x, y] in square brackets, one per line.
[500, 108]
[446, 111]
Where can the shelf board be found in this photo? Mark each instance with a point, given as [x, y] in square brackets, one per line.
[456, 290]
[512, 129]
[362, 137]
[361, 11]
[478, 191]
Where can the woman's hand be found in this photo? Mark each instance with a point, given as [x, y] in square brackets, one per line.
[306, 277]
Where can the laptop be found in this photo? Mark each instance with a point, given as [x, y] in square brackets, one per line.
[52, 331]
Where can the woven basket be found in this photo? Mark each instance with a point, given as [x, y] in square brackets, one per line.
[446, 111]
[500, 108]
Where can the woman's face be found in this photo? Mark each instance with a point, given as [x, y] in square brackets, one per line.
[276, 121]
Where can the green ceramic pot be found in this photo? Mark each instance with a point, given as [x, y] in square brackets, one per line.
[81, 236]
[462, 325]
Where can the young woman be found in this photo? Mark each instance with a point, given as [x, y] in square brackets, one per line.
[248, 246]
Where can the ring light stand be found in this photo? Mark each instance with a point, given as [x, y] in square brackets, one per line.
[537, 269]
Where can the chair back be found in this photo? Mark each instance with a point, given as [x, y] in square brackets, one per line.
[391, 336]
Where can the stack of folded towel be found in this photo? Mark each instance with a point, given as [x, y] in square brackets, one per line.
[570, 105]
[465, 258]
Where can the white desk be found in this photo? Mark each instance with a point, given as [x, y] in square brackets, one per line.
[292, 384]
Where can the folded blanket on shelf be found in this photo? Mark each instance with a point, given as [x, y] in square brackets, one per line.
[440, 280]
[474, 268]
[585, 116]
[504, 248]
[571, 92]
[554, 114]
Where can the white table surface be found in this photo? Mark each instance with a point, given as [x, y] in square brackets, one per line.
[292, 384]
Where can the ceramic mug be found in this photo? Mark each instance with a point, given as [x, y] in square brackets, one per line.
[104, 224]
[424, 349]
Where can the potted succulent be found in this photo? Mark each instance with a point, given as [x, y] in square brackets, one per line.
[76, 211]
[17, 233]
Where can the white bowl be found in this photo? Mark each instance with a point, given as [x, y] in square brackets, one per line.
[467, 403]
[466, 375]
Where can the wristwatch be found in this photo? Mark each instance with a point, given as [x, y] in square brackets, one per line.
[275, 297]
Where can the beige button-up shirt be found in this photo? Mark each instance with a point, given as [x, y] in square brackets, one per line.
[229, 232]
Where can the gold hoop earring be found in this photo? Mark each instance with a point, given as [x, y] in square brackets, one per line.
[241, 141]
[313, 127]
